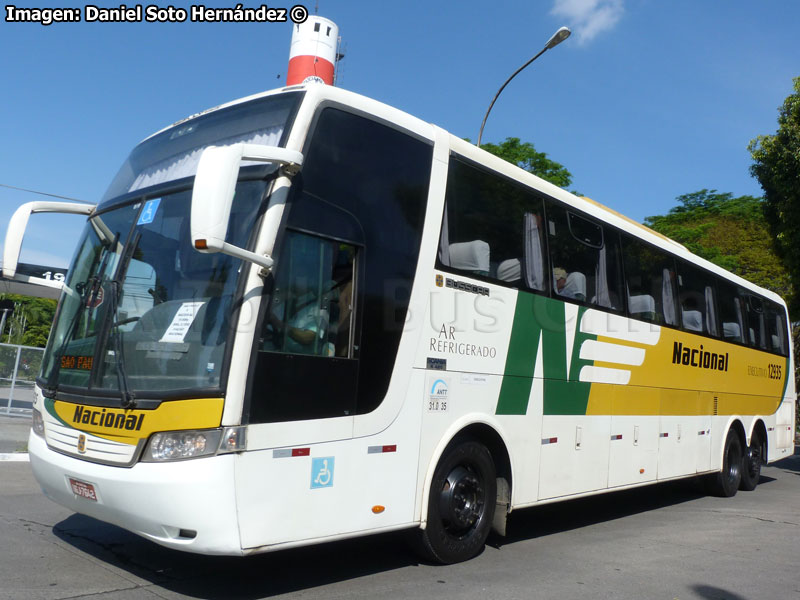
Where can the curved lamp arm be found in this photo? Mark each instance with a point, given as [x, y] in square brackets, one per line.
[558, 37]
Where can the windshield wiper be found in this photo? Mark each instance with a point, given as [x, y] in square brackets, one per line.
[128, 398]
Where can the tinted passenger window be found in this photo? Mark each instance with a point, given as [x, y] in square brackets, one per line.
[731, 312]
[776, 329]
[650, 280]
[697, 299]
[492, 228]
[585, 259]
[756, 323]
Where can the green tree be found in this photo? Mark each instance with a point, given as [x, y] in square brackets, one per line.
[36, 335]
[525, 156]
[776, 165]
[30, 322]
[731, 232]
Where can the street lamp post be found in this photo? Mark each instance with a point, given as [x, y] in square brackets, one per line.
[558, 37]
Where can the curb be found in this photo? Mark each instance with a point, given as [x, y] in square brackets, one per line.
[15, 457]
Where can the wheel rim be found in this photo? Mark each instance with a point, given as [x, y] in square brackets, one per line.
[462, 500]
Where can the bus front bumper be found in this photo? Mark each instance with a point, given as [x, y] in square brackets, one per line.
[186, 505]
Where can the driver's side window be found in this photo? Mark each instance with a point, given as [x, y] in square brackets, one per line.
[307, 344]
[312, 304]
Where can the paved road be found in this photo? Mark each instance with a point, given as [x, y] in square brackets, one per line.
[13, 433]
[667, 541]
[22, 398]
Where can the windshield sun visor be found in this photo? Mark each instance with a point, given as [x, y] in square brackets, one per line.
[175, 152]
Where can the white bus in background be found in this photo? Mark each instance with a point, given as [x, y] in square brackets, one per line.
[305, 316]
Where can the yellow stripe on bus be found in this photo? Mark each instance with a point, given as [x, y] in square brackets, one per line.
[130, 426]
[683, 374]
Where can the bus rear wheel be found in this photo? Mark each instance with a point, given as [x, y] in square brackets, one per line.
[461, 504]
[751, 465]
[726, 482]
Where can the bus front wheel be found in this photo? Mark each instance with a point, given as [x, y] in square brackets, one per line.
[461, 504]
[726, 482]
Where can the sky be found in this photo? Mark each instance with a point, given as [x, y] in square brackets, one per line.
[647, 100]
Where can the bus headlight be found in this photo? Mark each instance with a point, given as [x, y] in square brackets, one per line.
[38, 423]
[180, 445]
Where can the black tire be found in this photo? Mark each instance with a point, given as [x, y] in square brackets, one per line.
[726, 483]
[461, 504]
[751, 464]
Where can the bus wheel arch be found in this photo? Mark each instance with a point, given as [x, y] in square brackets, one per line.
[737, 426]
[490, 438]
[468, 493]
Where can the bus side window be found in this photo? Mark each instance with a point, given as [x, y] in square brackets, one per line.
[697, 300]
[731, 315]
[311, 310]
[492, 229]
[650, 282]
[756, 327]
[376, 177]
[776, 329]
[306, 364]
[584, 257]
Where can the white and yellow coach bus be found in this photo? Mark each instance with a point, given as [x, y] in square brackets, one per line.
[305, 316]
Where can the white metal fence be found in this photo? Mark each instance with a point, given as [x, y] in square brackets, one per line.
[19, 366]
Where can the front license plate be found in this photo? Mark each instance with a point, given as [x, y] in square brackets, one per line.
[83, 489]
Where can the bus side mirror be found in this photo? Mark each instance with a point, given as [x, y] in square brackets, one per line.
[214, 187]
[16, 232]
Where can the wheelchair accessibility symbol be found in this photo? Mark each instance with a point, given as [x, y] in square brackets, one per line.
[322, 472]
[149, 212]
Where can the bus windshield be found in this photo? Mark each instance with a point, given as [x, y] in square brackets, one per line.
[142, 312]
